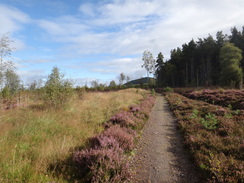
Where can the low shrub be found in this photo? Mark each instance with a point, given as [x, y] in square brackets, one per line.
[153, 93]
[104, 141]
[215, 136]
[168, 89]
[209, 121]
[124, 136]
[123, 118]
[102, 164]
[106, 160]
[226, 98]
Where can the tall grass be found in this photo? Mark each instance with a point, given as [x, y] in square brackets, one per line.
[34, 137]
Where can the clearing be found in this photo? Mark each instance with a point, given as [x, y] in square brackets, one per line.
[160, 154]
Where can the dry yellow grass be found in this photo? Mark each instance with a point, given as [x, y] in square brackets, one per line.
[32, 138]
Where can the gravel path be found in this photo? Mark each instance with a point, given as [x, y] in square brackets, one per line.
[160, 154]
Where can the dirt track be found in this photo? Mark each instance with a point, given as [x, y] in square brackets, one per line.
[160, 154]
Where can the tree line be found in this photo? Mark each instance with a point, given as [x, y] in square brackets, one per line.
[205, 62]
[56, 92]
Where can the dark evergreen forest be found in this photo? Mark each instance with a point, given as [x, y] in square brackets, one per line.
[197, 63]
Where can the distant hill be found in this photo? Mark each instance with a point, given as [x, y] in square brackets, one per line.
[142, 81]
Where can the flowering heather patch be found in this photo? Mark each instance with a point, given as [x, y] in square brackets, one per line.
[102, 165]
[135, 109]
[105, 161]
[104, 141]
[214, 135]
[123, 118]
[124, 136]
[146, 105]
[231, 98]
[135, 116]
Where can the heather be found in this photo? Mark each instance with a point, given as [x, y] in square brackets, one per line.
[37, 142]
[214, 135]
[227, 98]
[106, 159]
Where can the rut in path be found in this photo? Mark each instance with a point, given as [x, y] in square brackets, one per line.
[160, 154]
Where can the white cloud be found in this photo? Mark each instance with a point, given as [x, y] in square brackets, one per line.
[87, 9]
[12, 19]
[31, 75]
[130, 66]
[63, 28]
[130, 27]
[126, 28]
[120, 12]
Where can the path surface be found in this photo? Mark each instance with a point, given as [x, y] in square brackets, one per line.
[160, 154]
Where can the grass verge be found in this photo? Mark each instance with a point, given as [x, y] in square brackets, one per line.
[34, 139]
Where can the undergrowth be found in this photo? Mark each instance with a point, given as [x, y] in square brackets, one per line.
[215, 136]
[36, 142]
[107, 158]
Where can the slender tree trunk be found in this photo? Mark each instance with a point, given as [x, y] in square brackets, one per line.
[147, 78]
[209, 70]
[186, 74]
[197, 78]
[192, 71]
[172, 78]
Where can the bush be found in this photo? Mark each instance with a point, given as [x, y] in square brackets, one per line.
[57, 91]
[123, 118]
[6, 92]
[124, 136]
[168, 89]
[153, 93]
[102, 165]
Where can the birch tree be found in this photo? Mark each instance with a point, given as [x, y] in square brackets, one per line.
[148, 62]
[5, 53]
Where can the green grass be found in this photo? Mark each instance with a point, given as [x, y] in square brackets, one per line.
[34, 138]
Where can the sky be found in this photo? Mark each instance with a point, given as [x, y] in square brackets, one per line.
[99, 39]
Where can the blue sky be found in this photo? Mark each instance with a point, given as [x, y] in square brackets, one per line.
[97, 40]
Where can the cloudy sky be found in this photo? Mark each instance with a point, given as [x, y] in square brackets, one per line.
[99, 39]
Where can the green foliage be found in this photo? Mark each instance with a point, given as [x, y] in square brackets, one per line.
[210, 122]
[5, 92]
[237, 112]
[94, 84]
[198, 63]
[121, 78]
[158, 72]
[148, 62]
[194, 114]
[35, 85]
[12, 81]
[57, 91]
[168, 89]
[231, 73]
[9, 80]
[153, 93]
[112, 84]
[8, 77]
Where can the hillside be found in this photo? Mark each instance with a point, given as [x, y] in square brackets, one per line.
[142, 81]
